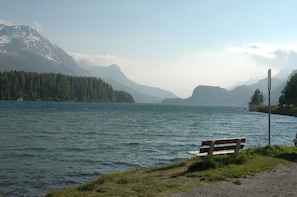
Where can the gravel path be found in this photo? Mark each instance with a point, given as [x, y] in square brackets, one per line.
[279, 182]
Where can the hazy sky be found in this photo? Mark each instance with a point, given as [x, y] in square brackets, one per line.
[171, 44]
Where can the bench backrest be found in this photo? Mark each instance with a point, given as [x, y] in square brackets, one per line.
[222, 144]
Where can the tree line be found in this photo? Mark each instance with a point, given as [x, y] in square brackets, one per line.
[57, 87]
[287, 98]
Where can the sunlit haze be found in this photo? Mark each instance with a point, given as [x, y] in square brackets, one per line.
[171, 44]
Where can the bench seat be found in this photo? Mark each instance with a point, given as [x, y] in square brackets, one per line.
[228, 146]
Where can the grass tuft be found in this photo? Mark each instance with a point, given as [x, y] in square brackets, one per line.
[86, 187]
[237, 182]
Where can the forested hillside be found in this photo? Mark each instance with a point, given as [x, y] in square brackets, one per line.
[289, 94]
[57, 87]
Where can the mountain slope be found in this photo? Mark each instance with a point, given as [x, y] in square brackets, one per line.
[141, 94]
[23, 49]
[204, 95]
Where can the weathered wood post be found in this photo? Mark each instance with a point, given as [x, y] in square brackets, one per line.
[269, 107]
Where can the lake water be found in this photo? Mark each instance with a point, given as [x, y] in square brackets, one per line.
[49, 145]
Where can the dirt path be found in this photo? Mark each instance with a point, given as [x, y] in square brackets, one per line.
[279, 182]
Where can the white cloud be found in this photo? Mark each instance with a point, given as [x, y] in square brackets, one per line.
[5, 22]
[264, 51]
[256, 49]
[100, 60]
[279, 58]
[37, 26]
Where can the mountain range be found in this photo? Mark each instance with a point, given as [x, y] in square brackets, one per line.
[23, 49]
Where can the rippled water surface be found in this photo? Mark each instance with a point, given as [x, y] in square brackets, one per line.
[50, 145]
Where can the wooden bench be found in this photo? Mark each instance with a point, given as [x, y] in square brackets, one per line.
[230, 146]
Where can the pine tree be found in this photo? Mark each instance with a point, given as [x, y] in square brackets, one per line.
[257, 98]
[289, 94]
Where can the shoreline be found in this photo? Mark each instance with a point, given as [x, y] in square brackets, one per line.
[266, 171]
[280, 110]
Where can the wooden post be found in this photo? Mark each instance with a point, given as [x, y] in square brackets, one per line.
[211, 148]
[237, 147]
[269, 107]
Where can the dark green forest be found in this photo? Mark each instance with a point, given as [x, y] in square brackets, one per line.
[57, 87]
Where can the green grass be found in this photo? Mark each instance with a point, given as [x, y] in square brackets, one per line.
[184, 176]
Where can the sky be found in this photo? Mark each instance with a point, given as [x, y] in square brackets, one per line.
[175, 45]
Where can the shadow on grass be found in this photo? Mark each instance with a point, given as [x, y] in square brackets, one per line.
[169, 167]
[217, 162]
[283, 152]
[289, 156]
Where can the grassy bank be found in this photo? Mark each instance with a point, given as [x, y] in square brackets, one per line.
[184, 176]
[290, 111]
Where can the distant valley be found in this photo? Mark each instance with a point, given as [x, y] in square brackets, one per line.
[238, 96]
[23, 49]
[210, 95]
[202, 95]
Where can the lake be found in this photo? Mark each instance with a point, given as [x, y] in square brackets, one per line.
[50, 145]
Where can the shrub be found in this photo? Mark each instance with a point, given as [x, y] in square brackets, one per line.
[217, 162]
[272, 151]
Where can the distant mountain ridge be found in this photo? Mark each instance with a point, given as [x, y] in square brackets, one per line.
[141, 93]
[238, 96]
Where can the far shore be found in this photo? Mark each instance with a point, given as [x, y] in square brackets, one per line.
[281, 110]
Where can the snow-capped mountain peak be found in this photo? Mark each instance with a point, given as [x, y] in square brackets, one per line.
[16, 39]
[23, 48]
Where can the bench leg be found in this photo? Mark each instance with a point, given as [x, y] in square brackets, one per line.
[211, 148]
[237, 147]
